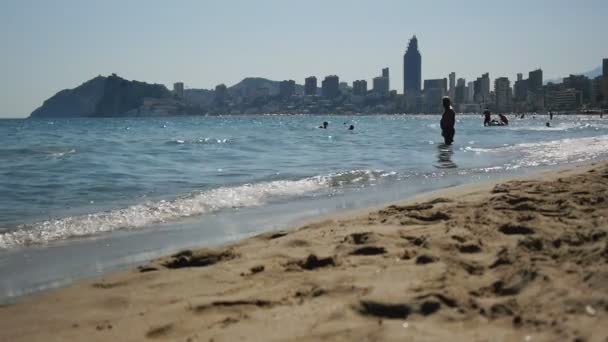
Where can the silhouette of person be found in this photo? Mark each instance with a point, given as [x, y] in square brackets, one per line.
[351, 127]
[324, 125]
[486, 118]
[448, 120]
[550, 115]
[503, 119]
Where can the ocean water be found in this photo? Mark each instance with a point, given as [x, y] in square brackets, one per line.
[65, 181]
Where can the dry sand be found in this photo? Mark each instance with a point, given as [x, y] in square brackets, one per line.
[524, 260]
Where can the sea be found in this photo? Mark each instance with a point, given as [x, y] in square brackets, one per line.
[82, 197]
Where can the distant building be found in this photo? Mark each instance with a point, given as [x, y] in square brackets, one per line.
[412, 69]
[566, 99]
[310, 86]
[440, 83]
[482, 89]
[381, 84]
[452, 88]
[502, 93]
[360, 87]
[434, 90]
[178, 89]
[581, 83]
[460, 91]
[605, 67]
[520, 89]
[330, 87]
[470, 97]
[535, 81]
[287, 88]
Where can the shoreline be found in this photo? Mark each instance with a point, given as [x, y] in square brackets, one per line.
[476, 261]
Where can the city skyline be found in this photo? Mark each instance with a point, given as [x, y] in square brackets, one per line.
[50, 47]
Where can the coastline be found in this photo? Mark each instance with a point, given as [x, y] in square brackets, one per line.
[499, 260]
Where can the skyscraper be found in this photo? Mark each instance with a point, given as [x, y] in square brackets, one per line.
[310, 85]
[535, 80]
[605, 67]
[412, 68]
[381, 83]
[452, 90]
[330, 86]
[502, 91]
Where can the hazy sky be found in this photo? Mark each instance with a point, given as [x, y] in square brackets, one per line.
[51, 45]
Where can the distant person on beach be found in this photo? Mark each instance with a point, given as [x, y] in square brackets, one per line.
[503, 119]
[487, 118]
[548, 124]
[550, 115]
[448, 120]
[522, 116]
[351, 127]
[324, 125]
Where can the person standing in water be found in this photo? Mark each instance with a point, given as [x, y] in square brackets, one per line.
[448, 120]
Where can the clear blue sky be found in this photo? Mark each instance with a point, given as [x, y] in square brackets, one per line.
[51, 45]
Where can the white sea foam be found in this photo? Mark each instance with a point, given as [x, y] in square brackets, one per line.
[550, 152]
[140, 215]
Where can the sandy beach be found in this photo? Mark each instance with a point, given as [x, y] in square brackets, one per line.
[521, 260]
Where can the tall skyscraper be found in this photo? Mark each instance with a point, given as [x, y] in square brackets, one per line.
[412, 68]
[605, 67]
[330, 86]
[452, 89]
[535, 80]
[460, 91]
[310, 85]
[385, 72]
[470, 92]
[502, 91]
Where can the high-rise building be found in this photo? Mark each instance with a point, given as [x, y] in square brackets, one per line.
[412, 69]
[581, 83]
[502, 93]
[460, 91]
[439, 83]
[287, 88]
[178, 89]
[381, 83]
[470, 97]
[330, 86]
[310, 85]
[360, 87]
[605, 67]
[452, 88]
[482, 89]
[434, 90]
[535, 81]
[380, 86]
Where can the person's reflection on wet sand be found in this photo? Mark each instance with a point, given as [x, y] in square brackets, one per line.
[444, 157]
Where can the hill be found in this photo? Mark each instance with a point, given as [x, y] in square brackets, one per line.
[100, 97]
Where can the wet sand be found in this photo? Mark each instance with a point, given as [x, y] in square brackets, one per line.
[522, 260]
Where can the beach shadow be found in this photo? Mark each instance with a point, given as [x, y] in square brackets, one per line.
[444, 157]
